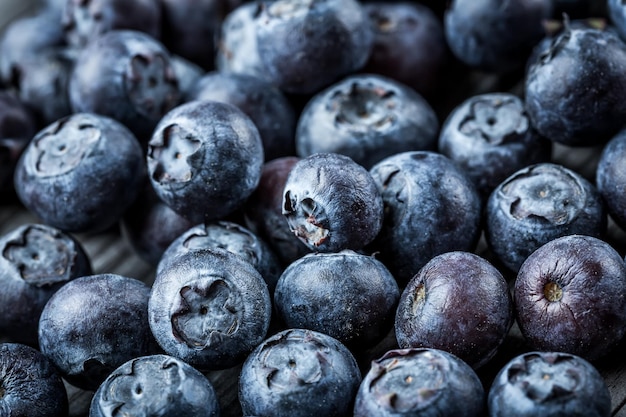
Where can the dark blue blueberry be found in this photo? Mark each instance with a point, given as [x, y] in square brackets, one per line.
[537, 204]
[305, 45]
[298, 373]
[431, 207]
[495, 36]
[229, 236]
[409, 44]
[85, 20]
[128, 76]
[573, 91]
[420, 382]
[266, 105]
[552, 384]
[30, 385]
[93, 324]
[490, 136]
[35, 261]
[457, 302]
[80, 173]
[570, 296]
[205, 159]
[346, 295]
[209, 308]
[155, 385]
[368, 118]
[263, 211]
[332, 203]
[611, 177]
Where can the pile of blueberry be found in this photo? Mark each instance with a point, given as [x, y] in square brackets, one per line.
[351, 205]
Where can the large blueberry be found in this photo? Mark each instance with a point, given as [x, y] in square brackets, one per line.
[422, 382]
[155, 385]
[366, 117]
[553, 384]
[298, 373]
[611, 177]
[80, 173]
[332, 203]
[209, 308]
[30, 385]
[35, 261]
[346, 295]
[537, 204]
[490, 136]
[457, 302]
[205, 159]
[93, 324]
[431, 207]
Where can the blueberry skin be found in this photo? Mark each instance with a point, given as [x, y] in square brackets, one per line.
[367, 117]
[187, 73]
[492, 36]
[128, 76]
[570, 296]
[346, 295]
[549, 383]
[431, 207]
[155, 385]
[297, 373]
[36, 260]
[423, 382]
[82, 152]
[537, 204]
[210, 309]
[267, 106]
[31, 385]
[617, 15]
[611, 176]
[574, 91]
[332, 203]
[229, 236]
[205, 159]
[490, 137]
[263, 211]
[305, 45]
[83, 21]
[93, 324]
[458, 302]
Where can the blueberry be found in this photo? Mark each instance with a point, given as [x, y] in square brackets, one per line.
[305, 45]
[366, 117]
[229, 236]
[431, 207]
[93, 324]
[82, 152]
[537, 204]
[269, 109]
[205, 159]
[617, 14]
[420, 382]
[492, 36]
[85, 20]
[297, 373]
[155, 385]
[490, 136]
[187, 74]
[209, 308]
[549, 383]
[30, 385]
[573, 91]
[346, 295]
[128, 76]
[570, 296]
[457, 302]
[611, 176]
[332, 203]
[36, 260]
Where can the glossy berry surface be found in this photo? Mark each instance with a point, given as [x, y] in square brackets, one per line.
[549, 383]
[420, 382]
[297, 373]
